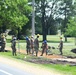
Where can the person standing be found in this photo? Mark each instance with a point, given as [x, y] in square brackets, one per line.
[3, 42]
[44, 47]
[13, 45]
[61, 46]
[32, 44]
[28, 45]
[36, 45]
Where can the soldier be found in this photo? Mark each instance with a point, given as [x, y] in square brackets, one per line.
[36, 44]
[13, 45]
[61, 46]
[28, 45]
[3, 42]
[44, 47]
[32, 44]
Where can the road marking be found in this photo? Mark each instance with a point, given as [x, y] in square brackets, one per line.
[5, 72]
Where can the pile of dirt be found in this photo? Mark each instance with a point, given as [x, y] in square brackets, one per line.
[41, 60]
[73, 50]
[49, 59]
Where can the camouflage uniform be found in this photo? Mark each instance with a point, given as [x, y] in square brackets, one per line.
[32, 45]
[44, 48]
[61, 46]
[3, 43]
[13, 46]
[36, 45]
[28, 45]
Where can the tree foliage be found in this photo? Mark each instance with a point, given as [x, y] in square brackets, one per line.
[13, 13]
[71, 27]
[47, 10]
[66, 10]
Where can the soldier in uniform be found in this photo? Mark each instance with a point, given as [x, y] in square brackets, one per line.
[28, 45]
[61, 46]
[3, 42]
[32, 44]
[13, 45]
[44, 47]
[36, 44]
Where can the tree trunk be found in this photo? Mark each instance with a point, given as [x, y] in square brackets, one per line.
[65, 21]
[75, 40]
[43, 20]
[18, 35]
[65, 38]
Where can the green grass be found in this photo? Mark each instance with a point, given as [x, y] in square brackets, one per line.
[9, 54]
[66, 69]
[50, 38]
[53, 40]
[63, 69]
[66, 50]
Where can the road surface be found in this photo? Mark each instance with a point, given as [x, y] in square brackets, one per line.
[15, 67]
[10, 70]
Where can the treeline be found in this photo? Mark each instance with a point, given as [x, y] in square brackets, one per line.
[50, 16]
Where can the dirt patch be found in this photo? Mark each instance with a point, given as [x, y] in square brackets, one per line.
[40, 60]
[39, 53]
[49, 59]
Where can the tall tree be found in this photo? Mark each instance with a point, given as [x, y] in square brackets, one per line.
[71, 28]
[66, 9]
[47, 9]
[43, 5]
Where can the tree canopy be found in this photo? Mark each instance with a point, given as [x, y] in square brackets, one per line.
[71, 27]
[50, 15]
[13, 14]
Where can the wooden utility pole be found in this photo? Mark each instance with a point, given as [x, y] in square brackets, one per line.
[33, 18]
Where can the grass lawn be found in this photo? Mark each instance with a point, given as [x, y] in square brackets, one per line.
[63, 69]
[50, 38]
[53, 40]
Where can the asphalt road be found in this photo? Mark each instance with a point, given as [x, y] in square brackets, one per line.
[9, 70]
